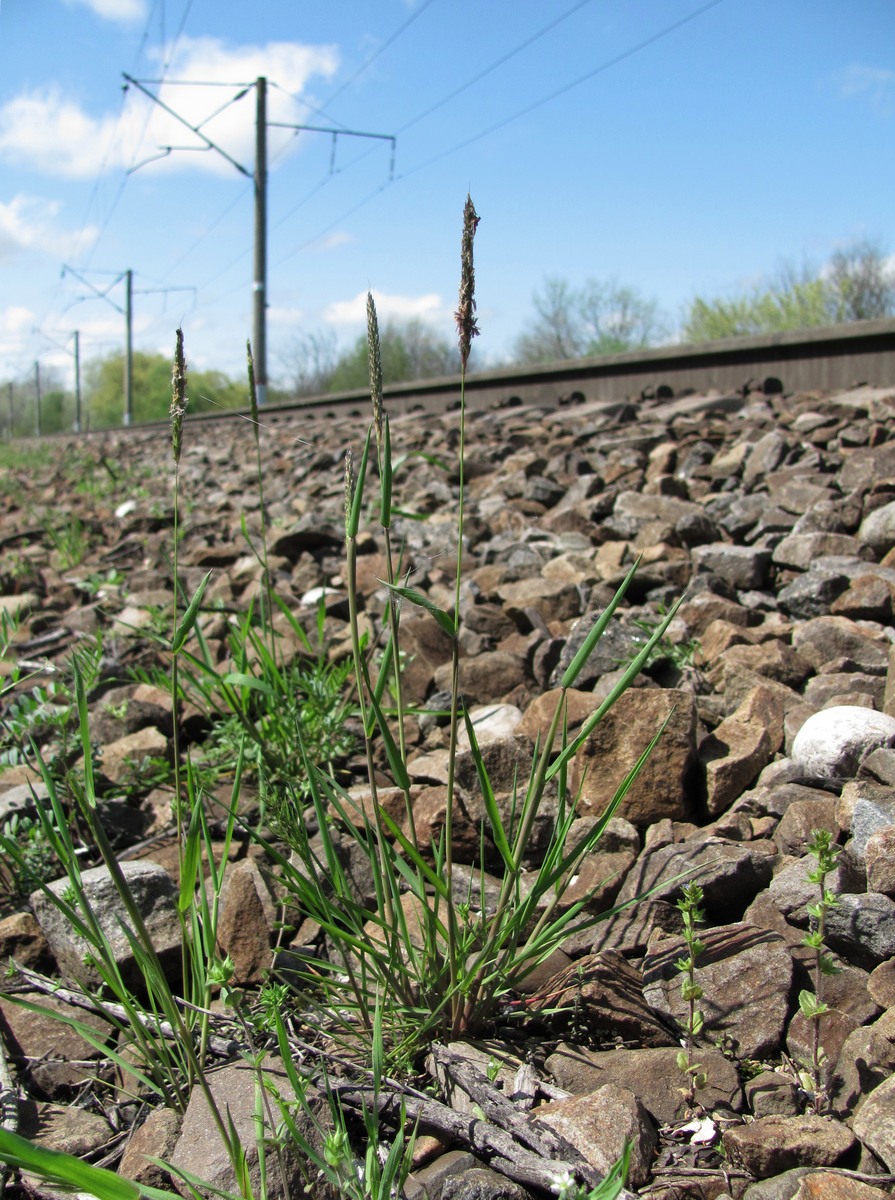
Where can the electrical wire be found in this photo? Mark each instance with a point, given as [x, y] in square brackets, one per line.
[110, 212]
[417, 12]
[601, 68]
[452, 95]
[499, 62]
[604, 66]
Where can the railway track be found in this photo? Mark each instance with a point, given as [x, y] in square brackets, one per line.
[828, 359]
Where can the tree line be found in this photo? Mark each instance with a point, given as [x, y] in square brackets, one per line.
[596, 318]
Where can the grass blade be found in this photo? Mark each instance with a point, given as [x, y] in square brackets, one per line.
[184, 629]
[576, 666]
[445, 621]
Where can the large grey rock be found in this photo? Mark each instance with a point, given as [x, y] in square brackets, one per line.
[775, 1144]
[811, 594]
[837, 643]
[832, 744]
[154, 894]
[731, 874]
[878, 529]
[800, 550]
[791, 891]
[875, 1122]
[743, 567]
[745, 974]
[599, 1123]
[619, 643]
[652, 1075]
[862, 927]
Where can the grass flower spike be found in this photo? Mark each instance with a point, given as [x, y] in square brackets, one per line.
[178, 398]
[465, 314]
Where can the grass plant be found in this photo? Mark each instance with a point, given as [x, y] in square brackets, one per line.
[71, 540]
[446, 963]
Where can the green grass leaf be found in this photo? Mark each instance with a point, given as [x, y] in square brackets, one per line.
[241, 679]
[185, 628]
[66, 1171]
[577, 664]
[445, 621]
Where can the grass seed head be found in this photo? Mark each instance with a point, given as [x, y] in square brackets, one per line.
[349, 486]
[375, 359]
[178, 398]
[253, 391]
[465, 314]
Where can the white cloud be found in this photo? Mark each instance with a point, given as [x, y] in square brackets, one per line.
[875, 85]
[116, 10]
[350, 312]
[331, 241]
[48, 131]
[16, 324]
[29, 223]
[284, 316]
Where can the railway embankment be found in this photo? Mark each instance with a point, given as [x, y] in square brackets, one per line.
[773, 516]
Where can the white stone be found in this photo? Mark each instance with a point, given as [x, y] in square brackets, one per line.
[878, 528]
[125, 509]
[315, 595]
[832, 744]
[491, 723]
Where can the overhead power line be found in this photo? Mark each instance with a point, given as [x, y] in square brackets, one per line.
[499, 62]
[568, 87]
[600, 69]
[418, 12]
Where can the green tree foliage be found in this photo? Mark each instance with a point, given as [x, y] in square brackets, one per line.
[18, 405]
[410, 350]
[57, 411]
[857, 284]
[600, 317]
[104, 390]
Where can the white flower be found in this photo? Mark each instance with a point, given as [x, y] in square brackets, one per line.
[563, 1184]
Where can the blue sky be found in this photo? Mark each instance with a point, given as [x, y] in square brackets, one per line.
[679, 146]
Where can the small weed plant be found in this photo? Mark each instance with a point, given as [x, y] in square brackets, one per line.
[811, 1003]
[71, 540]
[679, 654]
[690, 908]
[36, 860]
